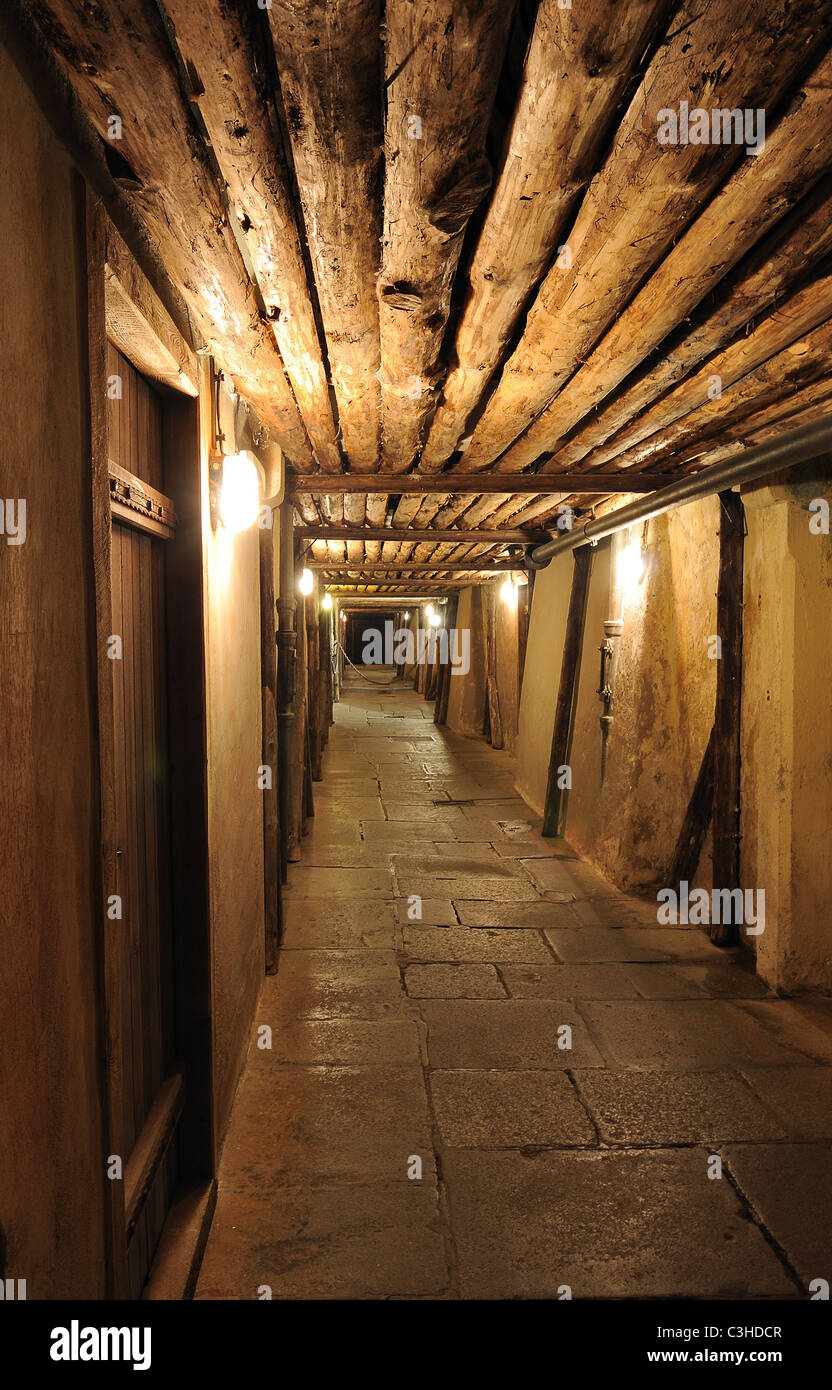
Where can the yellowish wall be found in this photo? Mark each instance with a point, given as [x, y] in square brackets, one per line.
[664, 704]
[547, 629]
[235, 804]
[663, 701]
[787, 729]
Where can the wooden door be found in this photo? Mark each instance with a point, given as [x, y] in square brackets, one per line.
[151, 1090]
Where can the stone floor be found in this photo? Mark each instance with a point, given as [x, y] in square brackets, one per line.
[526, 1091]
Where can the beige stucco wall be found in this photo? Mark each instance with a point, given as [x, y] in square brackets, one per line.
[787, 729]
[235, 804]
[663, 710]
[52, 1155]
[547, 628]
[663, 700]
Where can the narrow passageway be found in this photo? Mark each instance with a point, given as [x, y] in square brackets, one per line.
[489, 1074]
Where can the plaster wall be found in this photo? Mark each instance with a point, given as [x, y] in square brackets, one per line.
[235, 803]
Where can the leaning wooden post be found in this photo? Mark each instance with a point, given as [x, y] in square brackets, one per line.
[492, 694]
[286, 669]
[726, 817]
[313, 684]
[271, 816]
[555, 812]
[440, 711]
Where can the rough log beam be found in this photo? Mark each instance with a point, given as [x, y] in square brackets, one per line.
[751, 202]
[577, 69]
[443, 62]
[330, 62]
[119, 60]
[478, 483]
[722, 54]
[688, 414]
[388, 533]
[797, 244]
[406, 567]
[218, 47]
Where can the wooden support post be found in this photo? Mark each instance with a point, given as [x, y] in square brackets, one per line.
[313, 687]
[440, 713]
[286, 672]
[524, 606]
[555, 812]
[271, 815]
[696, 822]
[495, 719]
[324, 678]
[726, 815]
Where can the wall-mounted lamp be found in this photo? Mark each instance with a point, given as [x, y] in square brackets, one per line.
[307, 581]
[237, 483]
[631, 565]
[434, 618]
[326, 602]
[429, 611]
[508, 591]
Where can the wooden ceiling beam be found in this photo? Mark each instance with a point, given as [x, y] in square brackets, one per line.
[764, 278]
[647, 192]
[219, 50]
[119, 60]
[785, 335]
[755, 197]
[407, 567]
[443, 63]
[774, 383]
[578, 66]
[408, 484]
[387, 533]
[329, 59]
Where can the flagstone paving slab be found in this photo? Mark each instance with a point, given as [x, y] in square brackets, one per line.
[508, 1109]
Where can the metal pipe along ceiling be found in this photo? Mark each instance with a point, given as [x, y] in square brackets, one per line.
[795, 447]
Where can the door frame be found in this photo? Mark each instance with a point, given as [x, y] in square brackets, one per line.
[122, 306]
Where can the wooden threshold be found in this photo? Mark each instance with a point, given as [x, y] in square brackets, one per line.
[151, 1146]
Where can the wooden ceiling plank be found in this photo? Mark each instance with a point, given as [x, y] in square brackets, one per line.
[218, 48]
[344, 533]
[418, 485]
[330, 64]
[798, 365]
[443, 63]
[307, 508]
[756, 196]
[578, 66]
[118, 59]
[785, 325]
[767, 276]
[722, 54]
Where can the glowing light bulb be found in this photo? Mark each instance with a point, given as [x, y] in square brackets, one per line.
[239, 501]
[434, 618]
[630, 567]
[406, 617]
[508, 592]
[307, 582]
[326, 602]
[429, 611]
